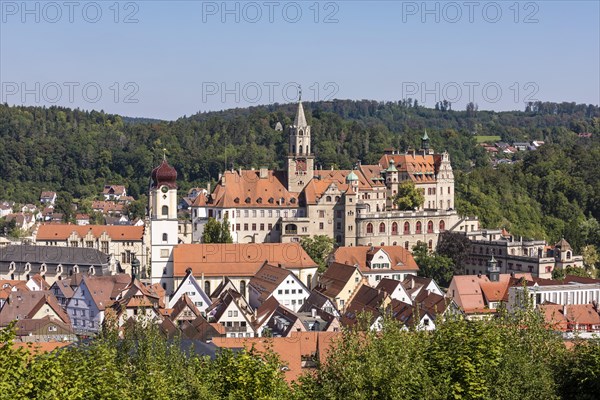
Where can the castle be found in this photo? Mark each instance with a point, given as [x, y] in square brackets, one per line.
[354, 207]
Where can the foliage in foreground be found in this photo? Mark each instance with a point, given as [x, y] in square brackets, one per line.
[461, 359]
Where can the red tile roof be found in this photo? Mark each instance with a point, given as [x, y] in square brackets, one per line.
[234, 259]
[400, 258]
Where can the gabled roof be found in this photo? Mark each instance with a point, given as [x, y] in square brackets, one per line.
[220, 305]
[335, 278]
[25, 304]
[184, 286]
[388, 285]
[316, 300]
[267, 280]
[105, 289]
[64, 286]
[400, 258]
[237, 259]
[183, 303]
[200, 329]
[115, 232]
[32, 326]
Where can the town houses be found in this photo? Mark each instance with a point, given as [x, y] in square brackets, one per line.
[73, 279]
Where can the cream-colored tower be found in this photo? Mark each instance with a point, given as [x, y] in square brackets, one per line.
[163, 224]
[301, 161]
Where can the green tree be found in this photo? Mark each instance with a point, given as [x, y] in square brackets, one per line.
[318, 248]
[455, 246]
[408, 196]
[432, 265]
[217, 232]
[137, 208]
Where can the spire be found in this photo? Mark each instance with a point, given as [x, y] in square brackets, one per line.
[425, 137]
[300, 119]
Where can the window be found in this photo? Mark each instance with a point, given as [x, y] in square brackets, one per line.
[207, 287]
[419, 227]
[280, 291]
[430, 244]
[237, 227]
[165, 210]
[165, 237]
[394, 228]
[287, 291]
[253, 227]
[245, 227]
[369, 228]
[382, 227]
[430, 227]
[442, 226]
[407, 228]
[89, 243]
[293, 291]
[262, 227]
[406, 245]
[243, 288]
[164, 253]
[321, 225]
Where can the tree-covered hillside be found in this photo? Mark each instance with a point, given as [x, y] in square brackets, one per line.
[78, 152]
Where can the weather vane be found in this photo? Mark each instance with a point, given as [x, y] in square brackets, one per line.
[165, 154]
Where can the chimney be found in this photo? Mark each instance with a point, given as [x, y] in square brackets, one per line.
[208, 188]
[263, 173]
[313, 312]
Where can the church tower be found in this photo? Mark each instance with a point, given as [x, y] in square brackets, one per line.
[300, 166]
[163, 223]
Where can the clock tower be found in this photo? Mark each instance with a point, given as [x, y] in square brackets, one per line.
[301, 161]
[163, 224]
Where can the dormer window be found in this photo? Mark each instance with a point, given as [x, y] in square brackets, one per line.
[259, 200]
[236, 200]
[248, 200]
[271, 200]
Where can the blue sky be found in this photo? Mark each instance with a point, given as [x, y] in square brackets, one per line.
[164, 59]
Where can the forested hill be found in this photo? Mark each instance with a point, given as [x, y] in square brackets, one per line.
[79, 151]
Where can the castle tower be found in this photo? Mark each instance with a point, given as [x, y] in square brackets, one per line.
[425, 144]
[300, 166]
[163, 224]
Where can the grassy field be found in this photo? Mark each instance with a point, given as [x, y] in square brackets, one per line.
[487, 139]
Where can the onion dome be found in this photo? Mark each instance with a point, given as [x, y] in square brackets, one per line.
[164, 175]
[351, 177]
[392, 167]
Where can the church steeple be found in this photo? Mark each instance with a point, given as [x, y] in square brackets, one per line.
[300, 158]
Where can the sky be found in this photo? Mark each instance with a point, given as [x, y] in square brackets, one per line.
[167, 59]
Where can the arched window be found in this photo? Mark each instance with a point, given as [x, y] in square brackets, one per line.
[430, 244]
[369, 228]
[165, 210]
[419, 227]
[300, 149]
[328, 198]
[406, 245]
[395, 244]
[394, 228]
[165, 237]
[243, 288]
[407, 228]
[207, 288]
[568, 255]
[430, 227]
[382, 228]
[300, 132]
[442, 226]
[309, 282]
